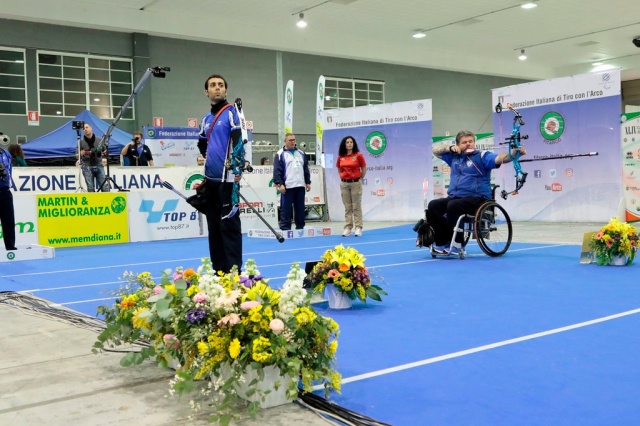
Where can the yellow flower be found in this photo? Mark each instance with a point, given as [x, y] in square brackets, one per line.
[336, 381]
[203, 348]
[192, 290]
[304, 315]
[141, 322]
[129, 301]
[333, 347]
[234, 348]
[171, 288]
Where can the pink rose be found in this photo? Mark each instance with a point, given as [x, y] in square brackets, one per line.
[276, 325]
[171, 341]
[177, 276]
[245, 306]
[200, 298]
[157, 290]
[231, 319]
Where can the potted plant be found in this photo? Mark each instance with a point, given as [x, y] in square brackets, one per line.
[615, 244]
[254, 342]
[342, 272]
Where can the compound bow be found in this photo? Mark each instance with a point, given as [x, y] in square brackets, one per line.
[514, 142]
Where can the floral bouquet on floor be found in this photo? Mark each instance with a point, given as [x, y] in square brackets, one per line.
[615, 239]
[233, 328]
[344, 268]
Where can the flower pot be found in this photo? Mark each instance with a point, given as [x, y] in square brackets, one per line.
[337, 299]
[618, 260]
[271, 374]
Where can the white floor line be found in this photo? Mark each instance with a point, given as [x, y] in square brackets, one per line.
[484, 348]
[177, 261]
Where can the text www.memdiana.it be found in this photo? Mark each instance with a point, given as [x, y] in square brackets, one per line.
[87, 239]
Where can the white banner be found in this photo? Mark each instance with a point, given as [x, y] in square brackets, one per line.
[564, 116]
[319, 110]
[24, 207]
[395, 140]
[163, 216]
[630, 134]
[172, 146]
[288, 107]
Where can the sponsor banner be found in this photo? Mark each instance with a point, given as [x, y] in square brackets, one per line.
[69, 220]
[172, 146]
[559, 90]
[630, 135]
[49, 180]
[288, 107]
[395, 141]
[24, 207]
[293, 233]
[264, 201]
[581, 117]
[319, 122]
[163, 216]
[262, 177]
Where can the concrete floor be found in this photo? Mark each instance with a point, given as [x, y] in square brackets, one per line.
[48, 375]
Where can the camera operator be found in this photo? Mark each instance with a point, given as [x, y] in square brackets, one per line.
[90, 157]
[137, 153]
[7, 216]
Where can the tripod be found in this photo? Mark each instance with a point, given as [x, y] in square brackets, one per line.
[104, 143]
[79, 164]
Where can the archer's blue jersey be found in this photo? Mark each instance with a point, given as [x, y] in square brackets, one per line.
[218, 141]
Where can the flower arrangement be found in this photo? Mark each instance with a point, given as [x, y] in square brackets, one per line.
[223, 326]
[615, 239]
[344, 267]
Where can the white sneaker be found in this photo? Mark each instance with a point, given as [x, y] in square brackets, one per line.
[358, 232]
[346, 233]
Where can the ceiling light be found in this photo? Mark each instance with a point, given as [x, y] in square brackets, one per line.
[96, 99]
[529, 5]
[597, 64]
[419, 34]
[59, 112]
[522, 56]
[301, 22]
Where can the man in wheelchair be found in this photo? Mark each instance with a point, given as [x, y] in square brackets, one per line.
[469, 188]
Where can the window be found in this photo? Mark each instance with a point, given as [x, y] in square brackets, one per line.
[13, 87]
[347, 92]
[69, 84]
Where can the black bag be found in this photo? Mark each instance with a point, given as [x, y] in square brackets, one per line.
[199, 200]
[426, 236]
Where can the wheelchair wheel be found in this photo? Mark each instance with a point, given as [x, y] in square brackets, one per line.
[492, 229]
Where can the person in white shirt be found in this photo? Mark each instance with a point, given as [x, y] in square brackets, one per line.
[292, 178]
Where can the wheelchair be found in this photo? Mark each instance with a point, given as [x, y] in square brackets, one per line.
[490, 227]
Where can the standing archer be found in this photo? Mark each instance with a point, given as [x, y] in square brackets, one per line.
[220, 132]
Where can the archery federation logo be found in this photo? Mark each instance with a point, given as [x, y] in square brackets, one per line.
[289, 96]
[151, 133]
[552, 126]
[376, 143]
[193, 179]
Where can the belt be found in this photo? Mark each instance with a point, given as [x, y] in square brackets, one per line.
[350, 180]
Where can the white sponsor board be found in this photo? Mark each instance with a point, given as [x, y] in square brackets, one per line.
[172, 146]
[293, 233]
[43, 180]
[24, 207]
[163, 216]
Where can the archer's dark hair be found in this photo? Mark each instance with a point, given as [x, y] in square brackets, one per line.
[206, 83]
[343, 146]
[16, 150]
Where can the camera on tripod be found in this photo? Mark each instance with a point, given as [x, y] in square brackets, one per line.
[77, 125]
